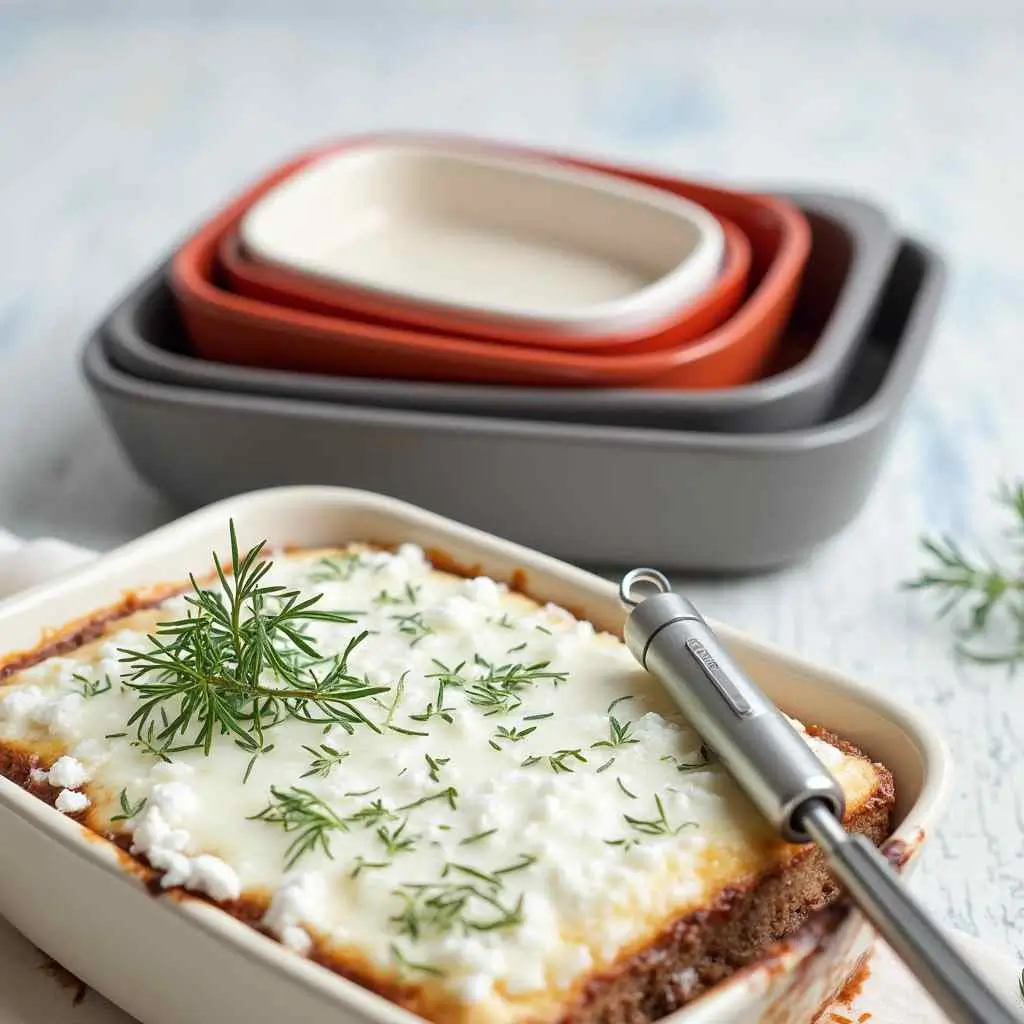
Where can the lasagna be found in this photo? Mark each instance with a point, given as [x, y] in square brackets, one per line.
[468, 801]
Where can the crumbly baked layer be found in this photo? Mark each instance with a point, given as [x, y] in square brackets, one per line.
[505, 822]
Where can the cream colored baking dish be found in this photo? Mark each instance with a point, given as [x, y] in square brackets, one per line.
[178, 959]
[511, 247]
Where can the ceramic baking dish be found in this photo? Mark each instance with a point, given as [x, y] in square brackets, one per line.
[852, 250]
[508, 247]
[237, 329]
[171, 959]
[704, 312]
[602, 495]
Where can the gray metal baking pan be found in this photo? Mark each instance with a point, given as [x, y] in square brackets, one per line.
[852, 251]
[593, 494]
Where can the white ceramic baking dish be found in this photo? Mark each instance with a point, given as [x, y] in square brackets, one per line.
[496, 245]
[173, 959]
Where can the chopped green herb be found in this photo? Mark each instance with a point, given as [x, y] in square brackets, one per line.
[477, 837]
[435, 764]
[449, 793]
[128, 809]
[394, 840]
[658, 826]
[325, 760]
[90, 688]
[619, 734]
[622, 786]
[560, 761]
[298, 810]
[361, 863]
[412, 625]
[513, 735]
[409, 965]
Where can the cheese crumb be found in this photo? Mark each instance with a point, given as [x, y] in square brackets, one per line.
[214, 877]
[70, 802]
[67, 773]
[297, 900]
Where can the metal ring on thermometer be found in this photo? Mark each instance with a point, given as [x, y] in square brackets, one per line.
[630, 597]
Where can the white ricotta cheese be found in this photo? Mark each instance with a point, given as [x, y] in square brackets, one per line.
[70, 802]
[493, 823]
[67, 773]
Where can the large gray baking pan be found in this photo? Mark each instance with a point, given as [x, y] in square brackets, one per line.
[852, 250]
[598, 495]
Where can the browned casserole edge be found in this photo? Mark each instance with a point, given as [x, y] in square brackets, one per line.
[692, 954]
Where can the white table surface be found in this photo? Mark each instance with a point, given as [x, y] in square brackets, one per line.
[117, 133]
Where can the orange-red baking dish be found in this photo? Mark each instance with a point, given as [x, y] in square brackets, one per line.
[268, 283]
[233, 328]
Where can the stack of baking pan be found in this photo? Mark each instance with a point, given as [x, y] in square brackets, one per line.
[607, 363]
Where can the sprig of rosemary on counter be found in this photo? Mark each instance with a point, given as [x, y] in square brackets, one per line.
[206, 675]
[989, 594]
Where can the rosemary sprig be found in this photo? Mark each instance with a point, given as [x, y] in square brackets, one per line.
[128, 809]
[448, 676]
[362, 864]
[434, 766]
[336, 568]
[435, 908]
[559, 762]
[436, 708]
[325, 759]
[90, 688]
[449, 793]
[373, 813]
[395, 841]
[409, 595]
[412, 625]
[298, 810]
[658, 826]
[513, 735]
[499, 689]
[205, 674]
[989, 593]
[619, 734]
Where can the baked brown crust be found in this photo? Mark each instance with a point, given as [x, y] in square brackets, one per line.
[704, 948]
[689, 957]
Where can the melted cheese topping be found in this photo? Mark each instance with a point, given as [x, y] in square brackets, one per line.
[493, 853]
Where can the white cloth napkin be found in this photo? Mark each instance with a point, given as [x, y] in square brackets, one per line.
[24, 563]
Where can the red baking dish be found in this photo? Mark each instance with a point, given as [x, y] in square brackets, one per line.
[272, 284]
[240, 329]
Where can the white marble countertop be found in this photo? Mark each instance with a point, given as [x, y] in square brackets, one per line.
[118, 132]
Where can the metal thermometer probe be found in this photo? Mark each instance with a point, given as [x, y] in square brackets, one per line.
[791, 787]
